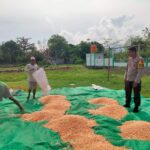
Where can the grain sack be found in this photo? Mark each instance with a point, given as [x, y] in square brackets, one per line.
[114, 111]
[41, 79]
[136, 130]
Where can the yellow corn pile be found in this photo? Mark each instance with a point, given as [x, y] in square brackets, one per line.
[42, 115]
[136, 130]
[76, 130]
[103, 101]
[55, 107]
[113, 111]
[52, 99]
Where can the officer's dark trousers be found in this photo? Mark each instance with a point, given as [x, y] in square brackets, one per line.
[137, 96]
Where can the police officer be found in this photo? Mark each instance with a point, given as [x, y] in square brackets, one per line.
[133, 76]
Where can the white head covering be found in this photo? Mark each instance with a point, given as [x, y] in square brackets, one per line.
[32, 58]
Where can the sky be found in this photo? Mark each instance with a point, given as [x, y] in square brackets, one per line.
[76, 20]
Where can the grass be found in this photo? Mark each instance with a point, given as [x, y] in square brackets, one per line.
[78, 75]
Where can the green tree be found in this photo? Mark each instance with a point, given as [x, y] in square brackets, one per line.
[146, 33]
[9, 51]
[136, 41]
[75, 54]
[25, 45]
[58, 48]
[84, 48]
[100, 47]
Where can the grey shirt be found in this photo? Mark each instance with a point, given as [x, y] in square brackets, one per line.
[4, 91]
[134, 69]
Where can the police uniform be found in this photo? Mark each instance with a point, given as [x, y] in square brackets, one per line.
[133, 75]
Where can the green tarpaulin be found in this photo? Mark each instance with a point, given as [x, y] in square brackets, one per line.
[17, 134]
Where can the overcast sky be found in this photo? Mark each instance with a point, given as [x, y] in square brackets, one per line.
[76, 20]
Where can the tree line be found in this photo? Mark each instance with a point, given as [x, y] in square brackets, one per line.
[142, 43]
[58, 51]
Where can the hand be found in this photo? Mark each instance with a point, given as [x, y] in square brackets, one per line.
[22, 111]
[125, 80]
[135, 84]
[31, 69]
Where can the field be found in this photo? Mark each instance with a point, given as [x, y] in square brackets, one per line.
[72, 76]
[78, 118]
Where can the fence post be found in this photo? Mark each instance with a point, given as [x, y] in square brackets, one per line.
[104, 59]
[94, 60]
[90, 59]
[113, 62]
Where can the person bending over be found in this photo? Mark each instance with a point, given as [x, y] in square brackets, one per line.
[4, 93]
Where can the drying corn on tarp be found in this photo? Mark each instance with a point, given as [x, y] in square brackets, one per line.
[104, 123]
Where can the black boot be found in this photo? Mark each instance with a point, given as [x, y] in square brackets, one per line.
[127, 105]
[136, 109]
[34, 93]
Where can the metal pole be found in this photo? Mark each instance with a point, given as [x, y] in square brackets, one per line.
[108, 63]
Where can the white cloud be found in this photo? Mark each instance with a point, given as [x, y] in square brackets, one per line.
[117, 28]
[75, 19]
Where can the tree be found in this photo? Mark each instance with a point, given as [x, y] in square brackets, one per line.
[9, 51]
[146, 33]
[100, 47]
[58, 48]
[25, 45]
[75, 54]
[85, 48]
[136, 41]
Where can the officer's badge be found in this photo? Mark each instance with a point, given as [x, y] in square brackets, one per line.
[141, 64]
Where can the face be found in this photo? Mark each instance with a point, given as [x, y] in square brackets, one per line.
[132, 54]
[33, 62]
